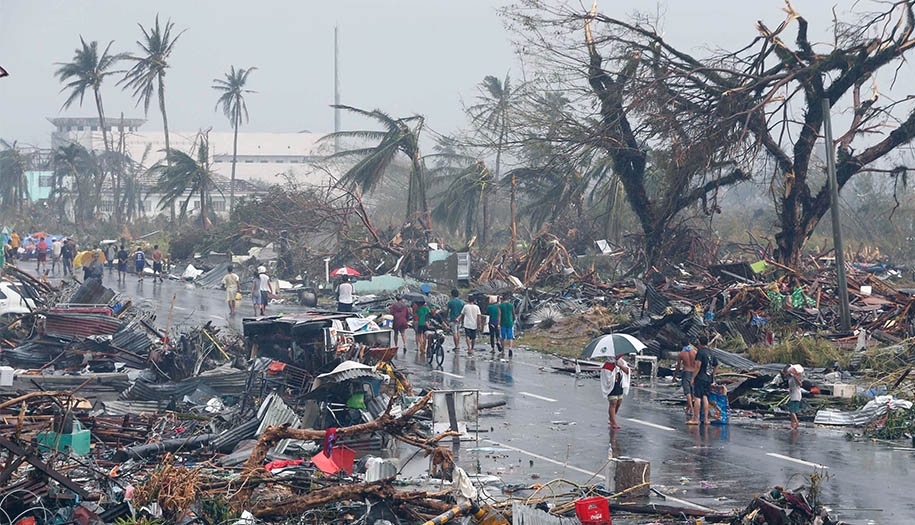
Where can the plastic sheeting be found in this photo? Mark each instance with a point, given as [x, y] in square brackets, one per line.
[873, 409]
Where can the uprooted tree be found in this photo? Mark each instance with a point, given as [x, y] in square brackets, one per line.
[719, 117]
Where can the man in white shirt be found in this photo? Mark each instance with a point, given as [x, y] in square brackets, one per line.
[345, 296]
[472, 319]
[56, 246]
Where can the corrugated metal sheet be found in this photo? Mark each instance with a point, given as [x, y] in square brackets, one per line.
[79, 324]
[274, 411]
[230, 437]
[121, 408]
[873, 409]
[732, 360]
[225, 380]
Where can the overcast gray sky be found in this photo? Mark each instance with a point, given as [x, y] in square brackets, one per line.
[403, 56]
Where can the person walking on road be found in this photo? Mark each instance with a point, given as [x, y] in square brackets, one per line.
[140, 258]
[455, 306]
[41, 255]
[56, 247]
[156, 257]
[686, 365]
[230, 282]
[507, 323]
[702, 381]
[614, 383]
[14, 240]
[492, 313]
[122, 256]
[111, 253]
[401, 314]
[66, 257]
[264, 289]
[471, 318]
[421, 314]
[795, 376]
[345, 295]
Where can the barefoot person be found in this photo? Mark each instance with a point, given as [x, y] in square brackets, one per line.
[401, 314]
[703, 378]
[614, 383]
[794, 373]
[230, 282]
[686, 365]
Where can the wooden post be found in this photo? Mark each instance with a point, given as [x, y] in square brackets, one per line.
[633, 476]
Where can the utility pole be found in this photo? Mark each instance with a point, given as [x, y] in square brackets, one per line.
[336, 88]
[842, 281]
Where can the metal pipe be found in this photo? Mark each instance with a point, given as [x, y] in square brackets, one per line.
[456, 512]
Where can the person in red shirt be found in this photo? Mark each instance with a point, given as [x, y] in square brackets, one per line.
[401, 314]
[41, 255]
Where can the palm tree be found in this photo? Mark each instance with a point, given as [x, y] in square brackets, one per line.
[148, 72]
[181, 175]
[490, 116]
[13, 165]
[400, 135]
[233, 105]
[66, 161]
[467, 188]
[87, 71]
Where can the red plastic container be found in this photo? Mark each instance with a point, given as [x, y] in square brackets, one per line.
[593, 511]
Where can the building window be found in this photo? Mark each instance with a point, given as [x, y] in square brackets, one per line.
[265, 161]
[94, 128]
[293, 161]
[219, 205]
[280, 161]
[249, 161]
[107, 205]
[80, 128]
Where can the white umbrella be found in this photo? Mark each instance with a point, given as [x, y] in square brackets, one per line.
[612, 345]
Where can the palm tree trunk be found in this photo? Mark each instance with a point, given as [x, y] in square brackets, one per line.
[234, 155]
[101, 117]
[165, 129]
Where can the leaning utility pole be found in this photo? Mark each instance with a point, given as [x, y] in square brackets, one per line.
[842, 282]
[336, 89]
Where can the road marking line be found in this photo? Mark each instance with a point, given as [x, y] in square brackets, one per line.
[648, 424]
[448, 374]
[183, 309]
[801, 461]
[543, 458]
[216, 316]
[544, 398]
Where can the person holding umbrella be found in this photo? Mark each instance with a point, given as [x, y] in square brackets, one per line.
[345, 295]
[615, 373]
[614, 383]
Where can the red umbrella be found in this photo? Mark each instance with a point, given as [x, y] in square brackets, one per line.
[344, 270]
[39, 235]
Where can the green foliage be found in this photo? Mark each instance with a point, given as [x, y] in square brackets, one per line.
[86, 71]
[148, 70]
[807, 351]
[139, 520]
[897, 425]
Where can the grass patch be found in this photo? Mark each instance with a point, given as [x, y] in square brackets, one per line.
[807, 351]
[565, 346]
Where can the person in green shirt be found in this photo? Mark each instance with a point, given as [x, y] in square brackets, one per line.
[492, 312]
[455, 306]
[420, 324]
[507, 323]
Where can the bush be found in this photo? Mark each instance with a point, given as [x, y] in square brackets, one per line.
[807, 351]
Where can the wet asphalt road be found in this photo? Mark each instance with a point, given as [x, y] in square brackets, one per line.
[555, 426]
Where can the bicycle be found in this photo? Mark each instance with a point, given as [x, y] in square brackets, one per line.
[435, 353]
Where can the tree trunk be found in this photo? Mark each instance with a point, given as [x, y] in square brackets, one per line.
[484, 230]
[234, 155]
[101, 118]
[165, 129]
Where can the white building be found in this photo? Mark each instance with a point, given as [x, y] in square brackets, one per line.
[263, 157]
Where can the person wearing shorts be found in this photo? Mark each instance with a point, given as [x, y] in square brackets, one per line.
[794, 374]
[157, 263]
[702, 380]
[686, 365]
[614, 383]
[507, 323]
[140, 263]
[455, 306]
[421, 316]
[471, 319]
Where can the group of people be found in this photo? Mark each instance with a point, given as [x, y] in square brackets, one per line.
[696, 367]
[461, 317]
[61, 253]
